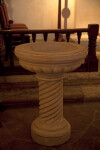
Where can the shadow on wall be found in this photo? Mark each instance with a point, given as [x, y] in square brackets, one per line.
[10, 9]
[65, 13]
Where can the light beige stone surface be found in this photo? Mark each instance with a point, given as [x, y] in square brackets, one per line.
[50, 61]
[91, 93]
[17, 79]
[60, 57]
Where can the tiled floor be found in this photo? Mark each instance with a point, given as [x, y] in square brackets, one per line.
[84, 118]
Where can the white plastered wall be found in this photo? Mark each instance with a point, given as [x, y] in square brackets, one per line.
[37, 14]
[42, 14]
[87, 12]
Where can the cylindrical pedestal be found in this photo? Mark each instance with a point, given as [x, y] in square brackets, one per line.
[50, 128]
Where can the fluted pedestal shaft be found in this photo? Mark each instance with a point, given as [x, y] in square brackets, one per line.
[50, 128]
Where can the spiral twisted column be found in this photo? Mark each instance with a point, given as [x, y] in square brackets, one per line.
[50, 128]
[51, 100]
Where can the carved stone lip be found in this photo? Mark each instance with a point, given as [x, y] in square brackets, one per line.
[50, 52]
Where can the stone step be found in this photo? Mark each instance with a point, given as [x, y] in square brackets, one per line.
[28, 81]
[83, 93]
[83, 78]
[78, 87]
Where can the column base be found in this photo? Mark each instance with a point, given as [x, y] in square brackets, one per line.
[51, 137]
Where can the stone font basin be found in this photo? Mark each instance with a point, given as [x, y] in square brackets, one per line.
[51, 56]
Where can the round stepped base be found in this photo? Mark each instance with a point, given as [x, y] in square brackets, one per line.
[51, 137]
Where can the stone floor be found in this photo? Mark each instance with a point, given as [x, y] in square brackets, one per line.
[84, 118]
